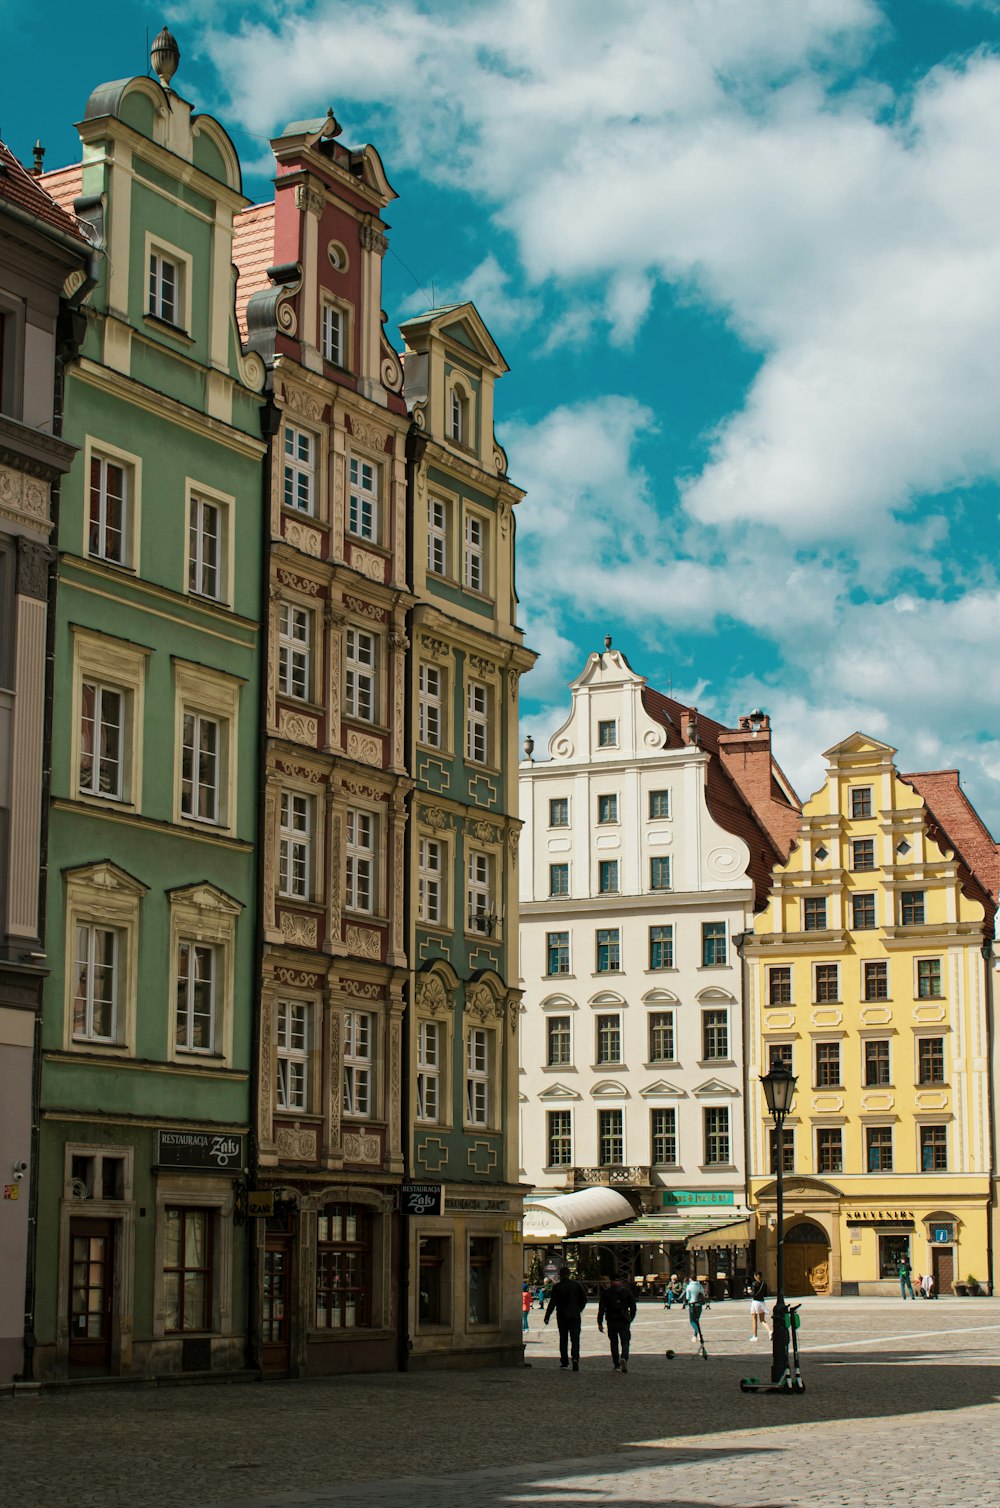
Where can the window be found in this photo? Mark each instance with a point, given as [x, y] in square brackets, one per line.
[200, 775]
[428, 1070]
[429, 706]
[714, 1035]
[659, 804]
[332, 334]
[429, 868]
[877, 1067]
[780, 1053]
[814, 913]
[557, 952]
[95, 998]
[717, 1136]
[876, 981]
[482, 1280]
[607, 808]
[787, 1149]
[662, 1047]
[863, 853]
[359, 1063]
[196, 971]
[607, 876]
[559, 1138]
[437, 537]
[829, 1149]
[108, 525]
[558, 1042]
[930, 1060]
[343, 1268]
[475, 553]
[558, 879]
[164, 288]
[827, 1065]
[102, 740]
[779, 985]
[861, 801]
[610, 1138]
[713, 944]
[559, 812]
[477, 1077]
[477, 743]
[362, 502]
[663, 1138]
[934, 1149]
[659, 874]
[432, 1296]
[187, 1269]
[929, 979]
[609, 1039]
[359, 889]
[456, 415]
[294, 650]
[293, 1055]
[878, 1148]
[482, 916]
[827, 982]
[205, 524]
[891, 1251]
[300, 466]
[607, 733]
[360, 663]
[863, 912]
[608, 950]
[911, 908]
[661, 947]
[295, 841]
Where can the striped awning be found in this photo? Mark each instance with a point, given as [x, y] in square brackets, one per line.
[735, 1233]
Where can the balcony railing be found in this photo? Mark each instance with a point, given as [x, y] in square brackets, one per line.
[627, 1175]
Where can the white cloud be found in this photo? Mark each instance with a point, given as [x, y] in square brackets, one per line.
[489, 287]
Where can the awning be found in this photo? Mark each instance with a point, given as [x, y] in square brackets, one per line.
[558, 1217]
[648, 1230]
[735, 1233]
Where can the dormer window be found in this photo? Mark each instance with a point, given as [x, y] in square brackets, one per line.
[164, 288]
[169, 280]
[332, 335]
[458, 416]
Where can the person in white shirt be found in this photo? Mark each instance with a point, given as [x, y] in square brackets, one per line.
[694, 1299]
[927, 1284]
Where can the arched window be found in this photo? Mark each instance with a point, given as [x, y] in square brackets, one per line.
[458, 414]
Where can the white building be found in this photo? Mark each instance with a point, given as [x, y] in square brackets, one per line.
[648, 842]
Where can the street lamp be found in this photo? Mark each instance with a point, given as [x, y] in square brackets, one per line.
[779, 1087]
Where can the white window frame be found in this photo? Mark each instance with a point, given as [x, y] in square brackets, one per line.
[479, 891]
[293, 1032]
[670, 1112]
[96, 449]
[612, 1136]
[184, 1043]
[158, 253]
[103, 896]
[203, 916]
[477, 732]
[191, 750]
[564, 1136]
[208, 696]
[360, 674]
[197, 498]
[92, 930]
[333, 333]
[99, 551]
[363, 498]
[478, 1087]
[475, 556]
[430, 1051]
[438, 514]
[101, 690]
[295, 637]
[458, 414]
[361, 849]
[430, 881]
[359, 1080]
[295, 843]
[298, 469]
[430, 705]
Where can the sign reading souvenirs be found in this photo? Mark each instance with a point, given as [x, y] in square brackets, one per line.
[698, 1196]
[201, 1149]
[420, 1198]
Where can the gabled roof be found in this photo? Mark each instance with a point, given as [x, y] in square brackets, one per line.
[461, 323]
[253, 253]
[64, 184]
[32, 196]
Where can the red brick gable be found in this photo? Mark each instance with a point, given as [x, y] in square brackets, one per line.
[963, 830]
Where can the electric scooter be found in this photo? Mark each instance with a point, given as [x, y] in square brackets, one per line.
[791, 1380]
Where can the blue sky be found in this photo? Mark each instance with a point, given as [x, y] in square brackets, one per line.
[743, 257]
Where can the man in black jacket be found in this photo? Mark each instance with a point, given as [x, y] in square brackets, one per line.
[617, 1307]
[569, 1300]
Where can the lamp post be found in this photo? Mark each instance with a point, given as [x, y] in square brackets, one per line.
[779, 1087]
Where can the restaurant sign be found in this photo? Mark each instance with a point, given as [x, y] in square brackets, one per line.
[421, 1198]
[698, 1196]
[201, 1149]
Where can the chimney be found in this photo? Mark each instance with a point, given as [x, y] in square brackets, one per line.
[745, 752]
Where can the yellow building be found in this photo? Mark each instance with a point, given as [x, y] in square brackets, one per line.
[869, 974]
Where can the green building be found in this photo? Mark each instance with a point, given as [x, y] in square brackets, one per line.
[149, 1004]
[466, 659]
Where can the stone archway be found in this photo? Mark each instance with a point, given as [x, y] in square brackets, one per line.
[807, 1259]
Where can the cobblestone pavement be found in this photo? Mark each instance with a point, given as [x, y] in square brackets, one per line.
[902, 1408]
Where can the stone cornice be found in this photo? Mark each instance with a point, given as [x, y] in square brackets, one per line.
[31, 451]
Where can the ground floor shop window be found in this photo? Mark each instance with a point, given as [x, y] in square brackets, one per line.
[892, 1250]
[482, 1280]
[432, 1306]
[187, 1269]
[343, 1267]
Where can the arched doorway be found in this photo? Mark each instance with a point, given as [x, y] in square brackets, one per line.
[807, 1259]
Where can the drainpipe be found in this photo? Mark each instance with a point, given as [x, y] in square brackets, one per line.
[987, 952]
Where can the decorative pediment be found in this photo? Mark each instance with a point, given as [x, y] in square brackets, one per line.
[607, 997]
[107, 877]
[462, 324]
[662, 1090]
[560, 1092]
[714, 1088]
[714, 995]
[659, 997]
[433, 995]
[609, 1089]
[558, 1002]
[206, 898]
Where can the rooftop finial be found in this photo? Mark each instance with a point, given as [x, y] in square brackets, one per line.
[529, 746]
[36, 166]
[607, 641]
[165, 56]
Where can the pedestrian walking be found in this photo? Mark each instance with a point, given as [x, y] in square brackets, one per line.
[526, 1302]
[616, 1308]
[904, 1277]
[569, 1300]
[694, 1301]
[675, 1291]
[757, 1290]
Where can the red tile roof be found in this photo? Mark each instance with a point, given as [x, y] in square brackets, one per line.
[33, 196]
[962, 829]
[64, 184]
[253, 253]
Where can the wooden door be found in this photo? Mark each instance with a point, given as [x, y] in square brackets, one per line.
[942, 1268]
[276, 1308]
[807, 1268]
[91, 1296]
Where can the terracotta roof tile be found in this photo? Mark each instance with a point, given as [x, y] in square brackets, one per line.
[64, 184]
[962, 829]
[34, 196]
[253, 253]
